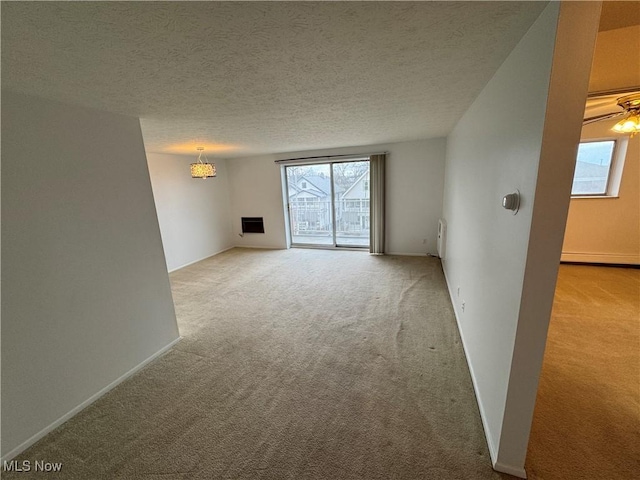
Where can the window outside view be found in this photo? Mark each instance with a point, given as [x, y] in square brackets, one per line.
[592, 168]
[311, 212]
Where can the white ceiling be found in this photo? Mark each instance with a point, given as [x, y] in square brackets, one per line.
[247, 78]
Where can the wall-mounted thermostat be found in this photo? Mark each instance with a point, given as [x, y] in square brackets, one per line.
[511, 201]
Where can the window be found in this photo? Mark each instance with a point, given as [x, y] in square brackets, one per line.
[593, 168]
[304, 184]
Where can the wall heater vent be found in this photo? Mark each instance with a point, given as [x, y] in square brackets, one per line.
[442, 237]
[252, 225]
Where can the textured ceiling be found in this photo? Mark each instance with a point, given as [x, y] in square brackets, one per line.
[248, 78]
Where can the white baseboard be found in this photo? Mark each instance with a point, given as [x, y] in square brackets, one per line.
[600, 258]
[200, 259]
[516, 472]
[405, 254]
[492, 449]
[259, 247]
[26, 444]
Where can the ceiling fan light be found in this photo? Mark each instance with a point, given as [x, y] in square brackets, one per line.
[631, 124]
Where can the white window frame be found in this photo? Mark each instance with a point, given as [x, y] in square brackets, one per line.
[616, 166]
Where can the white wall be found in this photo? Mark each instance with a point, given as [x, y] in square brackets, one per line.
[607, 230]
[86, 295]
[520, 133]
[415, 172]
[256, 192]
[194, 214]
[414, 189]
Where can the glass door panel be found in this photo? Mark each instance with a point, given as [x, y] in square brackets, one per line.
[351, 203]
[310, 208]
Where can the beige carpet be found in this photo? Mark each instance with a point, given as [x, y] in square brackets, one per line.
[587, 417]
[298, 364]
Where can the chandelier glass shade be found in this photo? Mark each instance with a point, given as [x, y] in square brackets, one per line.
[630, 124]
[631, 121]
[202, 169]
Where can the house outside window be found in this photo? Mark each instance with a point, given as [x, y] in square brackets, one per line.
[592, 176]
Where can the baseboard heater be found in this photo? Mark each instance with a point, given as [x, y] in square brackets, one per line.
[601, 264]
[252, 225]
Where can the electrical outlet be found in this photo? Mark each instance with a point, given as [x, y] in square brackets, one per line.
[458, 291]
[463, 305]
[424, 241]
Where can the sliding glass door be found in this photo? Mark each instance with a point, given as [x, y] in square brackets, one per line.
[351, 198]
[310, 207]
[329, 204]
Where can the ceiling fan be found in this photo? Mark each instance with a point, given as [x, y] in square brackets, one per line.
[609, 105]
